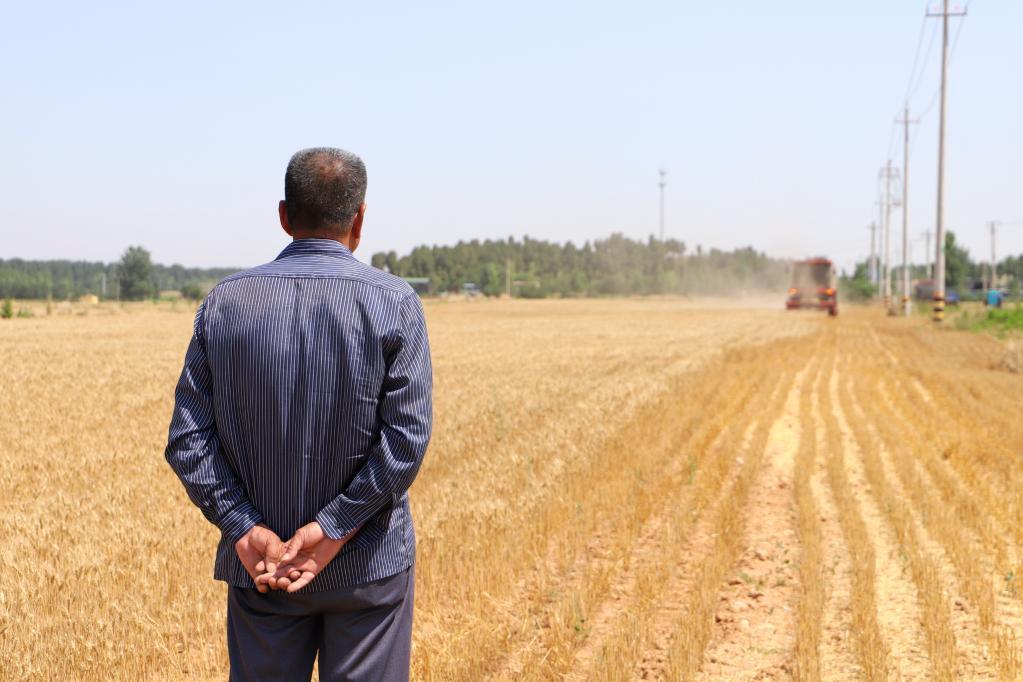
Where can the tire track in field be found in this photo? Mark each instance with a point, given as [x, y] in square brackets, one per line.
[972, 658]
[652, 657]
[837, 653]
[932, 597]
[689, 629]
[898, 613]
[952, 643]
[869, 643]
[675, 540]
[646, 569]
[755, 623]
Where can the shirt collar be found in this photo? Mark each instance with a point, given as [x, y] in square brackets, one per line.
[327, 247]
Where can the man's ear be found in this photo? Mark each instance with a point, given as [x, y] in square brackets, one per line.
[356, 231]
[282, 209]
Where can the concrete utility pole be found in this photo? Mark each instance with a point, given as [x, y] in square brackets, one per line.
[939, 255]
[661, 184]
[872, 263]
[993, 225]
[880, 226]
[905, 121]
[507, 276]
[888, 173]
[928, 253]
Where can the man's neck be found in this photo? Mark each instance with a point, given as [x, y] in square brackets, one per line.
[344, 240]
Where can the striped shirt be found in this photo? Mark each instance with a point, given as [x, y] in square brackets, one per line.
[307, 394]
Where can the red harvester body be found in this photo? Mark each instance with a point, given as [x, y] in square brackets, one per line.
[813, 286]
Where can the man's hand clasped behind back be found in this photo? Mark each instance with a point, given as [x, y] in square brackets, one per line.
[289, 566]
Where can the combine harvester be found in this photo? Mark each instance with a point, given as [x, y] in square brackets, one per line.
[813, 286]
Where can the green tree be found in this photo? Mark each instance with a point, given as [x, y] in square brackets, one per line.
[192, 291]
[7, 312]
[858, 286]
[135, 274]
[957, 262]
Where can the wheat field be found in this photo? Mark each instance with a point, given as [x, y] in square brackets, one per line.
[628, 489]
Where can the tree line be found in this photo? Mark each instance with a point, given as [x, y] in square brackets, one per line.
[135, 277]
[618, 265]
[962, 273]
[532, 268]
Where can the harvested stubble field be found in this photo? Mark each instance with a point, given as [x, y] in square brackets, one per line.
[616, 490]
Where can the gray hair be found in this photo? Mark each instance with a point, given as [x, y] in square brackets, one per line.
[323, 188]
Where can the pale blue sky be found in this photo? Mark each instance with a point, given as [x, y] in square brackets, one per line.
[170, 127]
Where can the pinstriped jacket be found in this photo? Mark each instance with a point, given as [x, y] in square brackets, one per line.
[307, 394]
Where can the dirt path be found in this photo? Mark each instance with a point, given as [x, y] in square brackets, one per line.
[837, 654]
[898, 614]
[973, 655]
[754, 625]
[679, 603]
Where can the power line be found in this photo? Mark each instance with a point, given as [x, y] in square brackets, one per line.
[937, 91]
[951, 55]
[913, 76]
[891, 141]
[910, 92]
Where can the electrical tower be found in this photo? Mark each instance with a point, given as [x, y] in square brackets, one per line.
[939, 253]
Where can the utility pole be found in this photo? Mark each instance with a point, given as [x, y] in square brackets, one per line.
[872, 263]
[507, 276]
[993, 225]
[661, 184]
[905, 121]
[880, 226]
[888, 173]
[928, 253]
[939, 237]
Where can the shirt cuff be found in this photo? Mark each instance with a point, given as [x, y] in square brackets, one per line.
[335, 523]
[239, 521]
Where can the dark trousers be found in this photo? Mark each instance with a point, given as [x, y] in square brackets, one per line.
[361, 633]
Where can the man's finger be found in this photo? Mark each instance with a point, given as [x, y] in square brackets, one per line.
[292, 548]
[272, 554]
[301, 564]
[304, 580]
